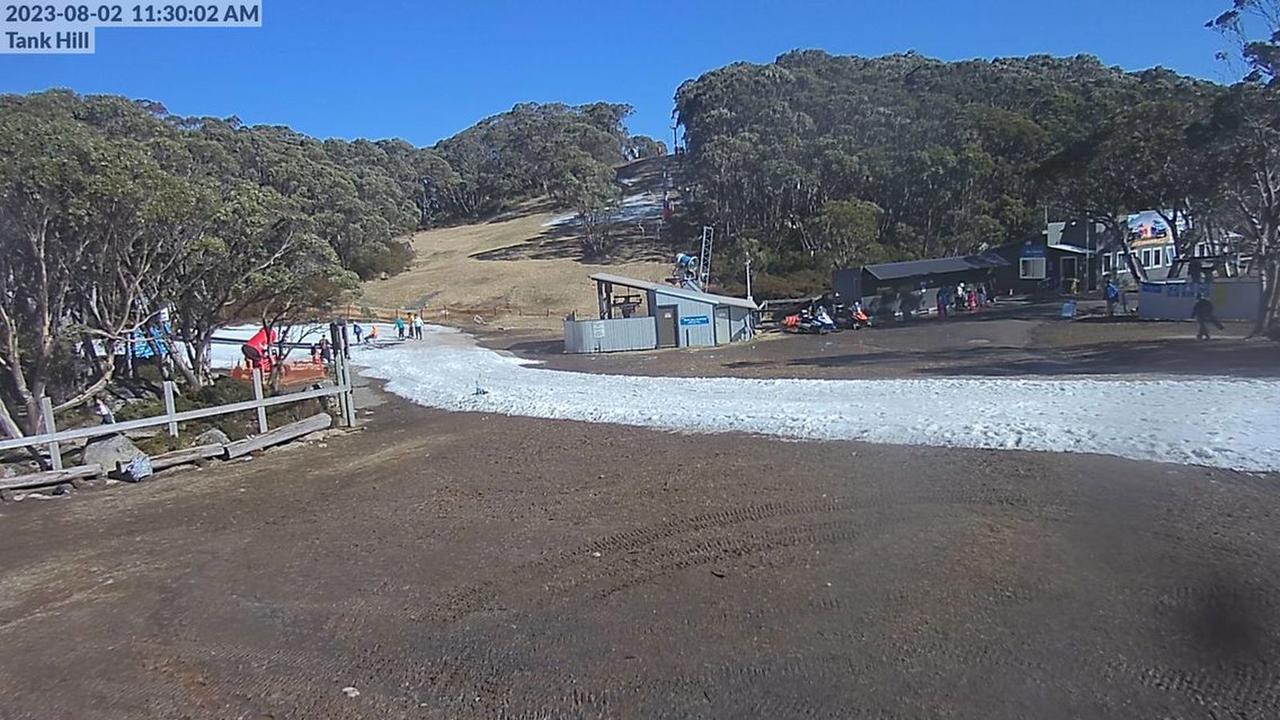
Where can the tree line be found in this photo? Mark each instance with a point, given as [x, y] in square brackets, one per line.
[816, 161]
[114, 212]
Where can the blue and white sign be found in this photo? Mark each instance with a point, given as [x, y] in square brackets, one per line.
[695, 320]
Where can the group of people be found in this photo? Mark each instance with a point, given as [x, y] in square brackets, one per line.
[408, 327]
[411, 324]
[961, 298]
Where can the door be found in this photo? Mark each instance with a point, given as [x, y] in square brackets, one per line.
[1069, 274]
[724, 330]
[666, 325]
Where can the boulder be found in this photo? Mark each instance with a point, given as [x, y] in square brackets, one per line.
[109, 450]
[212, 436]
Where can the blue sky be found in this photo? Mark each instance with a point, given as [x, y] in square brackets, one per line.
[426, 69]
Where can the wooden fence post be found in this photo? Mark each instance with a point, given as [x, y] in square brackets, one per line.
[349, 409]
[55, 450]
[257, 395]
[170, 408]
[338, 362]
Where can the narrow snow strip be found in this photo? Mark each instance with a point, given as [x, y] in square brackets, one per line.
[1219, 422]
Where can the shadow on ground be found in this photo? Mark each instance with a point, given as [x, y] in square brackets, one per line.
[563, 242]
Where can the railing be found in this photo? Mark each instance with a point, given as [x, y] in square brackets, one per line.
[52, 437]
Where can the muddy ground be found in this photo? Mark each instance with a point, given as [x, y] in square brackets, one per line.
[471, 566]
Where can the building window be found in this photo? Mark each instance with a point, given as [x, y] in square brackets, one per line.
[1031, 268]
[1106, 263]
[1146, 257]
[1157, 257]
[1202, 249]
[1169, 254]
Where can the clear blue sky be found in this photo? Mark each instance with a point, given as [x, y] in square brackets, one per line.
[424, 69]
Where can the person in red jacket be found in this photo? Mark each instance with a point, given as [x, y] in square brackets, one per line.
[256, 350]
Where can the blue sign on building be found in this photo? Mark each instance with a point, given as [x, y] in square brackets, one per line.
[695, 320]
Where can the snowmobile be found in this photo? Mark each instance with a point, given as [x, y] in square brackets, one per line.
[806, 323]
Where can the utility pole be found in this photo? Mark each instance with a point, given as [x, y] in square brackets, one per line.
[749, 279]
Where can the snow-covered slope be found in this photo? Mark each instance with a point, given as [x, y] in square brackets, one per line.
[1206, 421]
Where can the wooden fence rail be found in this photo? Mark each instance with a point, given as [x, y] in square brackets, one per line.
[52, 437]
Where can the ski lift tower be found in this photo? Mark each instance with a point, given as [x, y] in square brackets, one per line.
[704, 256]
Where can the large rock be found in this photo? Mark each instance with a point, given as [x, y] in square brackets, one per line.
[212, 436]
[109, 450]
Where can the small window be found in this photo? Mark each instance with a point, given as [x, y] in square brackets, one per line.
[1169, 254]
[1031, 268]
[1202, 249]
[1106, 263]
[1157, 257]
[1146, 258]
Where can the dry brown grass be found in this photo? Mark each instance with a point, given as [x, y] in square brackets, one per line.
[455, 285]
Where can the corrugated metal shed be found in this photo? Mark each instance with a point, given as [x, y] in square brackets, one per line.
[593, 336]
[677, 317]
[693, 315]
[937, 266]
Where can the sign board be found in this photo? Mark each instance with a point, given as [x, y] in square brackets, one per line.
[1233, 299]
[695, 320]
[1032, 250]
[597, 331]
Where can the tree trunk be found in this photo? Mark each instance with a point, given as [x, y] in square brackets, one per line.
[179, 361]
[1270, 277]
[8, 424]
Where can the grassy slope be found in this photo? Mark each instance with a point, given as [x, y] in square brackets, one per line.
[511, 271]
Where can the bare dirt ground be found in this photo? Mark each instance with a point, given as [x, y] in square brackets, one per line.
[455, 565]
[1014, 339]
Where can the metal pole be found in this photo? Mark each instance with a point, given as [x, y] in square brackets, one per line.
[55, 450]
[749, 279]
[257, 395]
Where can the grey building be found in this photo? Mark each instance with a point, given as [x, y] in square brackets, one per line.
[642, 315]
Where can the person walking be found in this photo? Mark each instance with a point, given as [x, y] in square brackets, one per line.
[417, 326]
[399, 327]
[1113, 296]
[944, 299]
[1204, 315]
[358, 331]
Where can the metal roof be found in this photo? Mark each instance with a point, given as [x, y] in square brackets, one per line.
[674, 291]
[1064, 247]
[937, 266]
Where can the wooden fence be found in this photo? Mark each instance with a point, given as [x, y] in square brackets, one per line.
[52, 438]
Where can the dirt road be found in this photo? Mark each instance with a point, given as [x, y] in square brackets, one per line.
[458, 565]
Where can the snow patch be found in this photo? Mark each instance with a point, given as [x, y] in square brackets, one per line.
[634, 208]
[1197, 421]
